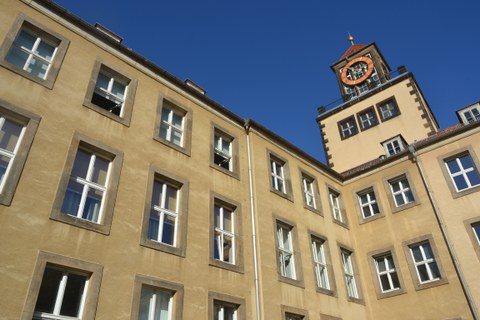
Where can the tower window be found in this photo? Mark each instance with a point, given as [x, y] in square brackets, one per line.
[348, 127]
[470, 114]
[367, 118]
[388, 109]
[394, 146]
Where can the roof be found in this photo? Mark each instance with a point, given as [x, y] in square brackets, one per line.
[353, 48]
[444, 133]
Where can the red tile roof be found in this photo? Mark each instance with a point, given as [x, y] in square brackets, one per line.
[353, 48]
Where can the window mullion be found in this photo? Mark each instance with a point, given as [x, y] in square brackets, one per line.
[60, 293]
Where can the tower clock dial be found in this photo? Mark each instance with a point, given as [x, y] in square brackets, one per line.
[357, 71]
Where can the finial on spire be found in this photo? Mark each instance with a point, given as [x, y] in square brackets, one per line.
[350, 38]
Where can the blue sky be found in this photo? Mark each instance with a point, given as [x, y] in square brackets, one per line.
[270, 60]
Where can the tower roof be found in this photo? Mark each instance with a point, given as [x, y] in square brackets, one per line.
[353, 48]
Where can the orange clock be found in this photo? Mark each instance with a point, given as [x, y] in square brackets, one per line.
[357, 71]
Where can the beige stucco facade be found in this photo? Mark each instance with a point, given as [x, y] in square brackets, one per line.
[118, 257]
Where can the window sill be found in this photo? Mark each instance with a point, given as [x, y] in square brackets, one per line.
[167, 143]
[106, 113]
[178, 251]
[356, 300]
[405, 206]
[226, 266]
[458, 194]
[286, 196]
[314, 210]
[342, 224]
[384, 295]
[371, 218]
[233, 174]
[421, 286]
[293, 282]
[328, 292]
[81, 223]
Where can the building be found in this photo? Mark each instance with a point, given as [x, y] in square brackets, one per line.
[127, 193]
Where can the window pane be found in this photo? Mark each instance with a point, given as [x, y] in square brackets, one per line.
[453, 166]
[227, 220]
[100, 170]
[473, 177]
[81, 163]
[153, 225]
[48, 290]
[45, 50]
[163, 131]
[434, 270]
[93, 202]
[417, 254]
[73, 196]
[37, 68]
[460, 182]
[176, 138]
[73, 294]
[157, 194]
[4, 161]
[423, 273]
[25, 40]
[17, 57]
[227, 249]
[171, 199]
[118, 89]
[217, 242]
[102, 81]
[177, 120]
[384, 282]
[9, 135]
[168, 231]
[216, 217]
[162, 304]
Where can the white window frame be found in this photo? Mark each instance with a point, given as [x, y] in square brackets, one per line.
[320, 262]
[462, 172]
[389, 271]
[336, 206]
[471, 114]
[388, 109]
[153, 302]
[309, 192]
[162, 211]
[428, 262]
[32, 52]
[171, 127]
[108, 94]
[370, 204]
[349, 273]
[219, 139]
[286, 253]
[88, 184]
[221, 310]
[277, 171]
[220, 233]
[368, 119]
[60, 295]
[393, 146]
[348, 128]
[404, 188]
[476, 231]
[9, 154]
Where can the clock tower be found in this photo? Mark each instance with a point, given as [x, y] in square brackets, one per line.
[379, 111]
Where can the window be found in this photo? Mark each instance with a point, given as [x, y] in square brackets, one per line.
[349, 273]
[473, 230]
[310, 193]
[470, 114]
[424, 263]
[17, 130]
[156, 299]
[164, 214]
[224, 152]
[388, 109]
[387, 278]
[87, 191]
[87, 187]
[347, 127]
[63, 288]
[319, 260]
[286, 254]
[290, 313]
[33, 51]
[225, 307]
[336, 207]
[224, 239]
[173, 125]
[401, 192]
[62, 293]
[387, 274]
[111, 93]
[164, 224]
[463, 172]
[394, 146]
[367, 118]
[368, 203]
[224, 311]
[155, 304]
[279, 177]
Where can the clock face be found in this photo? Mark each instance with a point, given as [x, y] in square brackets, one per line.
[357, 71]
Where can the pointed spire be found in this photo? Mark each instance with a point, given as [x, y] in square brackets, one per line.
[350, 38]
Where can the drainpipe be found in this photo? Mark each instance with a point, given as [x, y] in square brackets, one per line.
[418, 162]
[252, 212]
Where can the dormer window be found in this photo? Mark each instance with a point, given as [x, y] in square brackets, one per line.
[394, 146]
[470, 114]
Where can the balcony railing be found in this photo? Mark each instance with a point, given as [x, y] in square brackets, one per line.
[362, 90]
